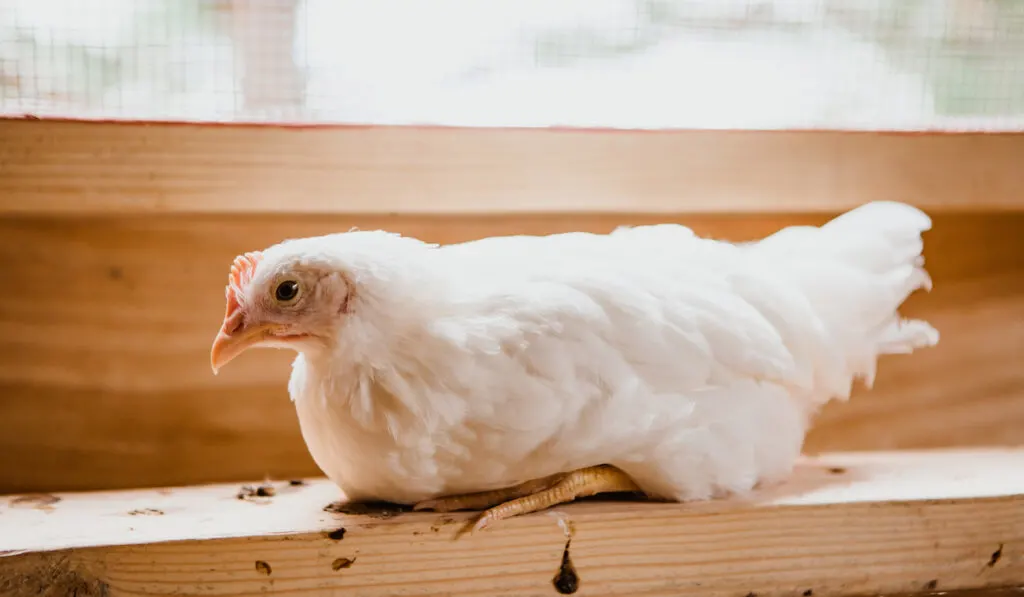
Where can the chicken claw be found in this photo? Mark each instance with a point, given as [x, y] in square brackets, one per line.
[535, 495]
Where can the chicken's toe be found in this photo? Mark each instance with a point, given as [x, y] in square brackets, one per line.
[487, 499]
[579, 483]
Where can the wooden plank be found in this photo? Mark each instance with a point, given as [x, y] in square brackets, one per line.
[844, 524]
[102, 167]
[104, 346]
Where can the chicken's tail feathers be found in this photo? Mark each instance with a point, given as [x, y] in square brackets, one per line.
[856, 271]
[877, 236]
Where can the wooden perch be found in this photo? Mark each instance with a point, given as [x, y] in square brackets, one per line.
[845, 524]
[69, 168]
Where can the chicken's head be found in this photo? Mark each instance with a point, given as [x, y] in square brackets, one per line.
[279, 300]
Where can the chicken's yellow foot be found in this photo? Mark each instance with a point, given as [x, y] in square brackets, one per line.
[487, 499]
[536, 495]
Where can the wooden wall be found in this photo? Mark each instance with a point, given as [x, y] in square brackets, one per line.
[63, 168]
[106, 323]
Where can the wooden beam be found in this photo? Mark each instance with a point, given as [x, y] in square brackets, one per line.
[105, 335]
[872, 523]
[68, 167]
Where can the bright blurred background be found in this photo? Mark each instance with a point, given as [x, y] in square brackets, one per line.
[850, 64]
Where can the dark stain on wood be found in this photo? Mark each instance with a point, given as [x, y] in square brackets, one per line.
[342, 563]
[440, 522]
[996, 556]
[248, 492]
[263, 568]
[566, 580]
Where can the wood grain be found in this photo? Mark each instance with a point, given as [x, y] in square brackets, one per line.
[106, 326]
[844, 524]
[100, 167]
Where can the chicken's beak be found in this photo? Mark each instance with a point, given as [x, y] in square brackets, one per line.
[234, 338]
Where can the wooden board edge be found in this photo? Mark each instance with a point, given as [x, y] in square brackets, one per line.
[82, 168]
[874, 523]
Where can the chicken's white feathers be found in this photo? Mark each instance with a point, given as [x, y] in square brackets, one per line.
[695, 365]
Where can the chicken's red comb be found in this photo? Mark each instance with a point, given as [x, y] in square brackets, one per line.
[241, 274]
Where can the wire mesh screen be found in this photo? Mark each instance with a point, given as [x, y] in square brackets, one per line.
[856, 64]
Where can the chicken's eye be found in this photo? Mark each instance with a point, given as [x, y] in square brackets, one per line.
[287, 291]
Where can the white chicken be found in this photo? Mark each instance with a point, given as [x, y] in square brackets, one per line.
[511, 374]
